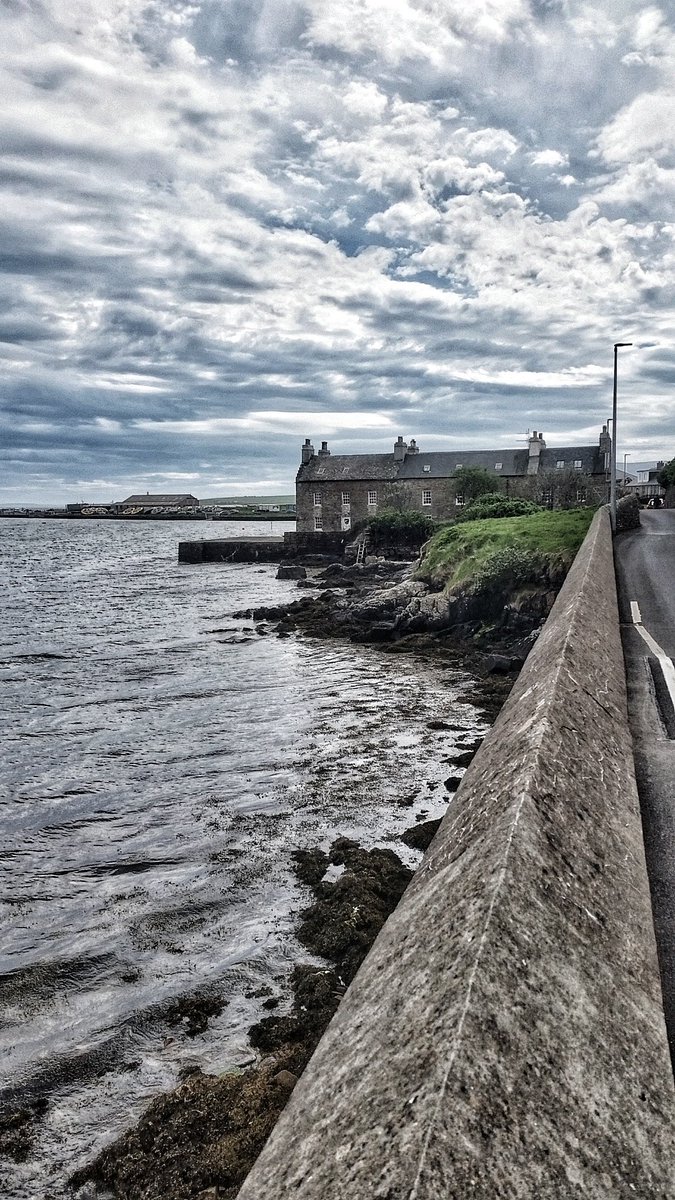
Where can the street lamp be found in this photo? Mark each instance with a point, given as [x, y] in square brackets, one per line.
[623, 481]
[612, 478]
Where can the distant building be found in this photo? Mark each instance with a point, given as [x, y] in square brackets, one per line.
[642, 480]
[335, 492]
[160, 500]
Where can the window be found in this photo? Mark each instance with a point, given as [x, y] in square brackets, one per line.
[317, 499]
[560, 463]
[318, 523]
[426, 467]
[498, 466]
[372, 497]
[577, 464]
[581, 496]
[426, 497]
[345, 498]
[459, 499]
[458, 466]
[546, 497]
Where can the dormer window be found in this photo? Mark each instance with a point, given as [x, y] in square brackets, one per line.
[498, 466]
[458, 466]
[426, 467]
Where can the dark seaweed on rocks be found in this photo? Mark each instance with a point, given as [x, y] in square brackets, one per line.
[208, 1132]
[17, 1128]
[420, 836]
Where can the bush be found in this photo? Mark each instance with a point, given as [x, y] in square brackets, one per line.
[496, 504]
[409, 528]
[505, 568]
[627, 513]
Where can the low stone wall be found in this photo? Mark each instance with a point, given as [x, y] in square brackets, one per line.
[262, 549]
[316, 543]
[233, 550]
[505, 1035]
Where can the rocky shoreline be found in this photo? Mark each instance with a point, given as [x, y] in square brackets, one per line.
[201, 1139]
[384, 603]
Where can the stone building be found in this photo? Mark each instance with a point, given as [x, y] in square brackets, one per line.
[334, 492]
[160, 500]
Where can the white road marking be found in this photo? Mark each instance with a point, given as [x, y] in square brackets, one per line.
[666, 663]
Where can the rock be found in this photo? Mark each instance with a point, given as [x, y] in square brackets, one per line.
[285, 1079]
[463, 759]
[419, 837]
[381, 631]
[501, 664]
[289, 571]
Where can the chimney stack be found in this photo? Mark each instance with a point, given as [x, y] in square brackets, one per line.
[400, 449]
[307, 452]
[324, 451]
[413, 448]
[535, 446]
[605, 447]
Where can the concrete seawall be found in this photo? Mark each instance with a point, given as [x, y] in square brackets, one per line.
[505, 1035]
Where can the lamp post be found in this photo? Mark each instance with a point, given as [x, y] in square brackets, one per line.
[612, 478]
[623, 481]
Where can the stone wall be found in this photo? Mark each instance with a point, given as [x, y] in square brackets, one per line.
[505, 1036]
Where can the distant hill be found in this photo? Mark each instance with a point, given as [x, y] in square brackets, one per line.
[253, 501]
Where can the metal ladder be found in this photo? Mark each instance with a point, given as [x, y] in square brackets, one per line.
[362, 550]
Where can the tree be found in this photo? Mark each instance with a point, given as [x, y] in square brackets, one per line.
[563, 488]
[471, 482]
[666, 476]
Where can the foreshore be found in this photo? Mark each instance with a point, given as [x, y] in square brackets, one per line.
[201, 1139]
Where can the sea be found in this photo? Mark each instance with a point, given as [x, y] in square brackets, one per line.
[160, 760]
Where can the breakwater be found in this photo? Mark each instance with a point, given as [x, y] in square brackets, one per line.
[262, 549]
[505, 1035]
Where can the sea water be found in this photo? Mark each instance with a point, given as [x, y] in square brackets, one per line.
[160, 761]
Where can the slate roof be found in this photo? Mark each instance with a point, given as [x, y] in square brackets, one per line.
[326, 467]
[442, 464]
[161, 499]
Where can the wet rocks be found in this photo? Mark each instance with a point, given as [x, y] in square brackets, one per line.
[291, 571]
[202, 1138]
[18, 1124]
[420, 836]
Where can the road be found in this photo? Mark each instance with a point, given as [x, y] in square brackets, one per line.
[645, 562]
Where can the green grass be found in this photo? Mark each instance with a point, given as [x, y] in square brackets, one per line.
[456, 554]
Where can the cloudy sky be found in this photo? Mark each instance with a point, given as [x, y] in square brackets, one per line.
[231, 224]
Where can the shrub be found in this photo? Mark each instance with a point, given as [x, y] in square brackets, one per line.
[408, 528]
[627, 513]
[507, 567]
[496, 504]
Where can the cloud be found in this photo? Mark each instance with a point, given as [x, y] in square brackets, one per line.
[225, 227]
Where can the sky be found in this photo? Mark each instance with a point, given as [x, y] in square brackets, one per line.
[228, 225]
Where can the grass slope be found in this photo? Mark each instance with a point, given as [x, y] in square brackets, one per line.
[462, 553]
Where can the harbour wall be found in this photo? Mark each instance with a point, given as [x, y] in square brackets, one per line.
[262, 549]
[505, 1035]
